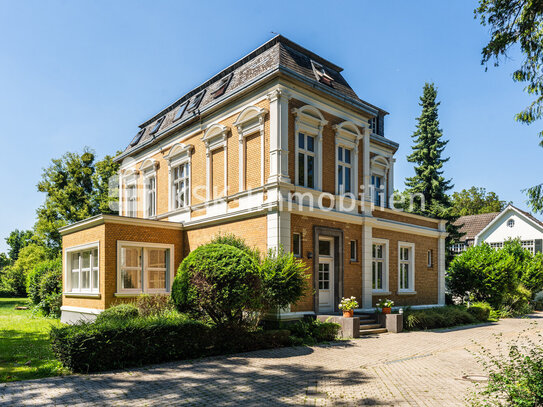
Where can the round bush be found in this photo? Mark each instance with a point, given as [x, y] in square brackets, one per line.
[480, 313]
[120, 312]
[220, 280]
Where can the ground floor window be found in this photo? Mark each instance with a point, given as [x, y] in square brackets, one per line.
[496, 245]
[406, 266]
[144, 268]
[83, 270]
[297, 244]
[379, 266]
[528, 245]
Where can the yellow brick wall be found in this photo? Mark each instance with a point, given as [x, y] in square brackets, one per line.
[426, 278]
[252, 161]
[253, 230]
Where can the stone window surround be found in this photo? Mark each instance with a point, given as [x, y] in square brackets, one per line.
[411, 246]
[149, 169]
[386, 259]
[179, 154]
[215, 138]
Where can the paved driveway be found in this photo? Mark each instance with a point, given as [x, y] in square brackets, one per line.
[419, 368]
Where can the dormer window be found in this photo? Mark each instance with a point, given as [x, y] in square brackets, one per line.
[181, 110]
[196, 101]
[137, 138]
[157, 125]
[321, 74]
[222, 86]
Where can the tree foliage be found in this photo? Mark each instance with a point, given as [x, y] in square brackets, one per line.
[76, 188]
[17, 240]
[429, 181]
[475, 201]
[518, 23]
[14, 277]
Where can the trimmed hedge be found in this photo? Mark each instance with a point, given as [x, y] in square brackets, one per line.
[114, 344]
[443, 317]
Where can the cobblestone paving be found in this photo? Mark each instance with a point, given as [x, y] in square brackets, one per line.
[408, 369]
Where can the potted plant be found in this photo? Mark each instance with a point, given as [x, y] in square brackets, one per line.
[347, 305]
[385, 305]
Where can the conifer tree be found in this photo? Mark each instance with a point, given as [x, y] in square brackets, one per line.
[429, 181]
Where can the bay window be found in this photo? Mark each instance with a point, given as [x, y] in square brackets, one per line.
[306, 161]
[144, 268]
[82, 274]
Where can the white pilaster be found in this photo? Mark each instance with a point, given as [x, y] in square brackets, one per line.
[441, 264]
[391, 162]
[279, 230]
[366, 170]
[241, 162]
[367, 231]
[278, 136]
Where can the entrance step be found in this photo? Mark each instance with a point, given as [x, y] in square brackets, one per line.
[373, 331]
[369, 326]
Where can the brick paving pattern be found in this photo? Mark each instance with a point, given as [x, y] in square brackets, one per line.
[408, 369]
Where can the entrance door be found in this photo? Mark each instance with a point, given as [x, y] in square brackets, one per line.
[326, 275]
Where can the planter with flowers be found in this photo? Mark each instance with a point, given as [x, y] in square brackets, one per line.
[347, 305]
[385, 305]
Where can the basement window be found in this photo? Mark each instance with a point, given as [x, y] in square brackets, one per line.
[157, 125]
[222, 86]
[137, 138]
[196, 101]
[321, 74]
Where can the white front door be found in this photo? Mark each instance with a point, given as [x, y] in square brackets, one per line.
[326, 275]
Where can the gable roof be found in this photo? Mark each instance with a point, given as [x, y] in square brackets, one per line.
[472, 225]
[278, 54]
[475, 225]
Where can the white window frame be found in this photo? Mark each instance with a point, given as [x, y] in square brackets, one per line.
[385, 244]
[340, 189]
[179, 154]
[528, 245]
[300, 245]
[149, 170]
[430, 258]
[306, 153]
[411, 269]
[132, 200]
[185, 181]
[68, 252]
[355, 258]
[377, 193]
[496, 245]
[144, 283]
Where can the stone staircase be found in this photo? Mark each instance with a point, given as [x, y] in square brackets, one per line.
[369, 325]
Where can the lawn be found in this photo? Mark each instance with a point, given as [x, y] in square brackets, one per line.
[24, 343]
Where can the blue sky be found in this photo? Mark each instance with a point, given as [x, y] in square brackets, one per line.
[82, 73]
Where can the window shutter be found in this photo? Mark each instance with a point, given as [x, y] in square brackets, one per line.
[381, 125]
[538, 246]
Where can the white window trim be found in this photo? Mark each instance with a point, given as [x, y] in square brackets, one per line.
[250, 121]
[306, 154]
[300, 254]
[130, 179]
[381, 167]
[179, 154]
[348, 136]
[386, 278]
[411, 246]
[355, 258]
[149, 170]
[144, 289]
[68, 268]
[430, 258]
[309, 121]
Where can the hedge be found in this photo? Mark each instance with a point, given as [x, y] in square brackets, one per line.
[443, 317]
[109, 345]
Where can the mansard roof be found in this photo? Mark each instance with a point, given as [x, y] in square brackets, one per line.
[278, 54]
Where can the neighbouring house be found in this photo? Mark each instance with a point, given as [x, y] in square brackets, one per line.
[278, 149]
[497, 227]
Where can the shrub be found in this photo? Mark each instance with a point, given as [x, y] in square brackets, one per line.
[44, 286]
[284, 280]
[15, 276]
[117, 344]
[515, 376]
[480, 313]
[439, 317]
[233, 240]
[122, 312]
[220, 280]
[532, 277]
[484, 273]
[311, 331]
[149, 305]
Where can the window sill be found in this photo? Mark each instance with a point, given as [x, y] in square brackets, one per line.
[83, 295]
[406, 293]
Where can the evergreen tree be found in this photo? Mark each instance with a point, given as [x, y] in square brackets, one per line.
[428, 182]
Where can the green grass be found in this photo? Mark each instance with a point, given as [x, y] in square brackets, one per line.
[25, 352]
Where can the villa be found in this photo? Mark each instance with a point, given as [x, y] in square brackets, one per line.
[277, 149]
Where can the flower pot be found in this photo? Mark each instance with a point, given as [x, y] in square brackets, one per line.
[386, 310]
[348, 314]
